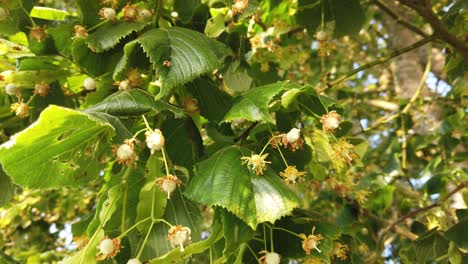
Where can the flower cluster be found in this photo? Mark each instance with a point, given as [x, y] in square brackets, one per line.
[168, 184]
[179, 236]
[21, 109]
[325, 46]
[339, 250]
[311, 242]
[42, 89]
[125, 153]
[131, 13]
[38, 33]
[154, 140]
[291, 175]
[270, 257]
[108, 248]
[331, 121]
[134, 79]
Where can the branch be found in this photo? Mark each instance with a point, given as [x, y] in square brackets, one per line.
[424, 209]
[400, 20]
[424, 9]
[378, 61]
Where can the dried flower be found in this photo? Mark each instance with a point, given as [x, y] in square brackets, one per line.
[291, 175]
[167, 63]
[270, 257]
[344, 151]
[38, 33]
[80, 32]
[179, 236]
[339, 250]
[311, 242]
[108, 14]
[239, 6]
[168, 184]
[330, 121]
[190, 105]
[108, 248]
[361, 196]
[21, 109]
[293, 140]
[322, 36]
[257, 163]
[41, 89]
[130, 12]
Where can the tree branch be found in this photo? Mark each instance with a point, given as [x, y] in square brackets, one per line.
[378, 61]
[429, 207]
[424, 9]
[399, 20]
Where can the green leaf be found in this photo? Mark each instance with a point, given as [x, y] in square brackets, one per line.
[457, 233]
[8, 190]
[106, 207]
[88, 253]
[48, 13]
[253, 104]
[236, 232]
[237, 78]
[29, 79]
[224, 181]
[430, 246]
[190, 53]
[94, 64]
[110, 34]
[215, 26]
[62, 148]
[133, 102]
[18, 19]
[89, 12]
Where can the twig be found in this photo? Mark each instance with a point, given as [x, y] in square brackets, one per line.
[400, 20]
[424, 209]
[424, 9]
[246, 133]
[379, 61]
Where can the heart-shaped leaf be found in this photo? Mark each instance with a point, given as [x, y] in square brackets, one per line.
[62, 148]
[224, 181]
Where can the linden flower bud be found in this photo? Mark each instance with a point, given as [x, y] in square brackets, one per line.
[107, 13]
[154, 140]
[179, 236]
[292, 175]
[108, 248]
[293, 135]
[21, 109]
[41, 89]
[168, 184]
[340, 250]
[190, 105]
[270, 257]
[311, 242]
[134, 78]
[80, 32]
[89, 84]
[125, 153]
[330, 121]
[124, 85]
[134, 261]
[322, 36]
[38, 34]
[130, 12]
[145, 14]
[3, 13]
[10, 89]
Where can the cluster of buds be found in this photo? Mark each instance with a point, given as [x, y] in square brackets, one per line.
[344, 151]
[80, 32]
[256, 163]
[126, 152]
[270, 257]
[339, 250]
[311, 242]
[190, 105]
[324, 45]
[20, 109]
[154, 140]
[108, 248]
[131, 13]
[38, 33]
[330, 121]
[291, 175]
[42, 89]
[168, 184]
[179, 236]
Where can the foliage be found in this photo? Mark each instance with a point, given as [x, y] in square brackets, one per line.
[221, 131]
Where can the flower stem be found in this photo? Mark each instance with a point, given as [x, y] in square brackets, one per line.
[144, 241]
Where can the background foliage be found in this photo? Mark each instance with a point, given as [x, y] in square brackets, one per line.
[220, 79]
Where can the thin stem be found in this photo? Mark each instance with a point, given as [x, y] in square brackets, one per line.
[378, 61]
[163, 150]
[272, 244]
[279, 150]
[146, 122]
[144, 241]
[138, 132]
[98, 25]
[211, 255]
[322, 22]
[29, 17]
[253, 253]
[287, 231]
[268, 143]
[125, 195]
[264, 237]
[162, 221]
[134, 226]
